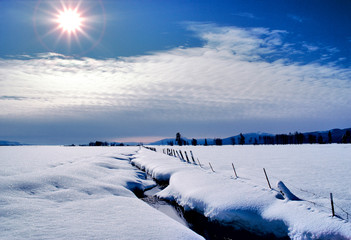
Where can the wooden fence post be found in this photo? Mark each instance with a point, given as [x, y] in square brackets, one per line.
[180, 151]
[267, 178]
[234, 170]
[199, 162]
[178, 155]
[186, 155]
[211, 167]
[332, 204]
[192, 156]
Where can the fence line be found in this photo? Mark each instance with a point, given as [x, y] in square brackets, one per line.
[174, 153]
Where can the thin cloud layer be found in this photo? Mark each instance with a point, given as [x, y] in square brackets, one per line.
[227, 79]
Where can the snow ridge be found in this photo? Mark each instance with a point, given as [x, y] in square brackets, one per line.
[241, 203]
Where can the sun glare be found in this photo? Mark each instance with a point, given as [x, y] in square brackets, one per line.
[69, 20]
[69, 26]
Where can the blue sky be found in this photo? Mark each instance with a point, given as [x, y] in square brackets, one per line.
[144, 70]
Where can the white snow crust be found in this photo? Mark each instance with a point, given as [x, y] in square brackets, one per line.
[310, 172]
[53, 192]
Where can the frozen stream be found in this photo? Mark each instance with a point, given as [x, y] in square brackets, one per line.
[196, 221]
[222, 204]
[54, 192]
[171, 210]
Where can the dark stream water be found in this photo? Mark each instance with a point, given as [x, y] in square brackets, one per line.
[198, 222]
[168, 208]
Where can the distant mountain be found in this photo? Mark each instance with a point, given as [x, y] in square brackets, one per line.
[8, 143]
[337, 136]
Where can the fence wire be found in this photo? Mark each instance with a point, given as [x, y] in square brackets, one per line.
[345, 214]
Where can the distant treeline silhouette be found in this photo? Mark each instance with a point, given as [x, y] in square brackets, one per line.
[326, 137]
[99, 143]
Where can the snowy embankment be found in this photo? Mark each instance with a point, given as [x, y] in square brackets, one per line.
[78, 193]
[247, 202]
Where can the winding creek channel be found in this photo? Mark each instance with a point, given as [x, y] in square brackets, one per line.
[196, 221]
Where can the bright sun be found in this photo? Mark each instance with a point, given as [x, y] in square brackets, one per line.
[69, 20]
[71, 26]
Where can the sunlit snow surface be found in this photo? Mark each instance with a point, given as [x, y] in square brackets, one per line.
[53, 192]
[311, 172]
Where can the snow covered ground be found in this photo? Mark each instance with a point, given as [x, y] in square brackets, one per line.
[52, 192]
[311, 172]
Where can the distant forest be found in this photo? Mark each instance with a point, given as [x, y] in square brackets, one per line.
[325, 137]
[321, 137]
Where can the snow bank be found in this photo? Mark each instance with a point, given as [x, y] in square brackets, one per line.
[78, 193]
[245, 202]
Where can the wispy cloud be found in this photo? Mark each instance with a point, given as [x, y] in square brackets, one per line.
[248, 44]
[17, 98]
[246, 15]
[310, 47]
[226, 79]
[296, 18]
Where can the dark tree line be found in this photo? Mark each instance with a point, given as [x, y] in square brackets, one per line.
[296, 138]
[218, 142]
[100, 143]
[279, 139]
[346, 138]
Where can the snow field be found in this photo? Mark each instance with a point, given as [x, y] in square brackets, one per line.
[78, 193]
[311, 172]
[247, 202]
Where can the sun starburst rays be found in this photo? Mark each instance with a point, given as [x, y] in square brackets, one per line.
[70, 24]
[70, 20]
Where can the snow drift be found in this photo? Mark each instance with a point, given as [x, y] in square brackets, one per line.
[78, 193]
[243, 203]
